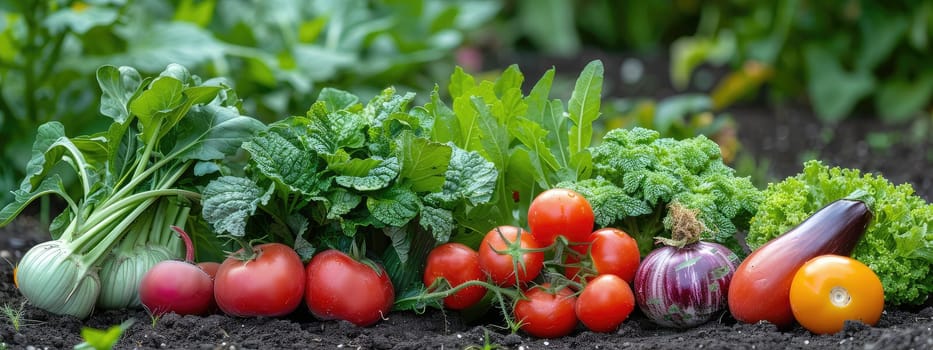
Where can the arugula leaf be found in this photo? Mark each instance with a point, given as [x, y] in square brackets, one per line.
[584, 106]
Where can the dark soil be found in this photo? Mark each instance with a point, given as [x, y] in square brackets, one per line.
[783, 136]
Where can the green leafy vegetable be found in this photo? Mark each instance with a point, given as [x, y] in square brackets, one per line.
[135, 181]
[637, 175]
[898, 244]
[363, 173]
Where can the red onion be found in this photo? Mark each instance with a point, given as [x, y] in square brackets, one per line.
[684, 283]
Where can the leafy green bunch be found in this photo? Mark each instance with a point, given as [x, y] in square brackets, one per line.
[637, 175]
[898, 244]
[351, 171]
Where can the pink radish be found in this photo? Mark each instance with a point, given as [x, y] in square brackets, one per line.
[177, 286]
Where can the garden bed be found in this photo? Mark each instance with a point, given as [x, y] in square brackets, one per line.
[779, 135]
[783, 136]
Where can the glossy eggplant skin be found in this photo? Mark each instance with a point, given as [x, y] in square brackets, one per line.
[684, 287]
[760, 288]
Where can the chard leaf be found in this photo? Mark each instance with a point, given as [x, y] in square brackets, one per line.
[584, 106]
[395, 207]
[377, 178]
[118, 86]
[151, 106]
[470, 177]
[229, 201]
[283, 162]
[438, 221]
[423, 162]
[211, 132]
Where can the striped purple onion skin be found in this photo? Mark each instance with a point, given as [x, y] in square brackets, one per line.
[684, 287]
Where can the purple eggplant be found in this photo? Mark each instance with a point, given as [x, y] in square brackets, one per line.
[684, 283]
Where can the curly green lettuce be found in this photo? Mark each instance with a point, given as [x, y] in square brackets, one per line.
[637, 175]
[898, 244]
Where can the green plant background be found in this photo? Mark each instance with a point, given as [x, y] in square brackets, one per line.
[841, 57]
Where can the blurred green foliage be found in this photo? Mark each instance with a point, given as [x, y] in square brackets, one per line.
[276, 52]
[840, 54]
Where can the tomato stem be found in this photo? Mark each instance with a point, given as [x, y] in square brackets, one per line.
[440, 281]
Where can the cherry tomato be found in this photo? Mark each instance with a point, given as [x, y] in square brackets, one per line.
[560, 211]
[503, 256]
[340, 287]
[830, 289]
[605, 302]
[456, 263]
[546, 314]
[269, 284]
[614, 252]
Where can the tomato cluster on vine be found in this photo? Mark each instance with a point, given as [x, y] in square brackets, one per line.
[547, 279]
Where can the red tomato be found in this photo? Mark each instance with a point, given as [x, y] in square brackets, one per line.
[611, 251]
[457, 264]
[614, 252]
[513, 264]
[560, 211]
[605, 302]
[830, 289]
[340, 287]
[545, 314]
[267, 285]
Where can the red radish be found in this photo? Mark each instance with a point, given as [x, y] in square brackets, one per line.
[177, 286]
